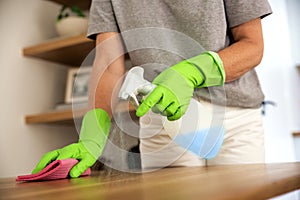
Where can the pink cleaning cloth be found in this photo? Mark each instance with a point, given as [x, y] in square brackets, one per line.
[58, 169]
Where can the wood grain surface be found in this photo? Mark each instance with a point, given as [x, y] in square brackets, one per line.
[254, 181]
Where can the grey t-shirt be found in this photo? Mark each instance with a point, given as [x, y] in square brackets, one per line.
[160, 33]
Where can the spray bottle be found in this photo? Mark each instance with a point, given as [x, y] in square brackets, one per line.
[194, 131]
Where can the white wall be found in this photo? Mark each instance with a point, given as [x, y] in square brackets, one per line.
[27, 86]
[293, 7]
[293, 14]
[280, 81]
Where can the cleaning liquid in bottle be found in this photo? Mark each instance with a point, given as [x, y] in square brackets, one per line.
[197, 130]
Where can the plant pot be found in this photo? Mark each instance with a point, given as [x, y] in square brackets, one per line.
[71, 26]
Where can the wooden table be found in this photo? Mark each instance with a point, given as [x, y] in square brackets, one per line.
[215, 182]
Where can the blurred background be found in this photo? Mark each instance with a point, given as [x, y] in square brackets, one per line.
[29, 85]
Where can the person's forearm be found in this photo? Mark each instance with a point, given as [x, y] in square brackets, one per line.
[108, 70]
[246, 53]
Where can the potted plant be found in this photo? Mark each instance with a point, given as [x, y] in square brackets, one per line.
[71, 21]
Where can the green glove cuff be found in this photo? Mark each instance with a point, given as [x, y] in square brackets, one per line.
[204, 70]
[94, 131]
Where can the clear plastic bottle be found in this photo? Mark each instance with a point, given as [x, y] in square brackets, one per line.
[199, 130]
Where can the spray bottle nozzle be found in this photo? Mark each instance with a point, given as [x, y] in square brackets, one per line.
[135, 85]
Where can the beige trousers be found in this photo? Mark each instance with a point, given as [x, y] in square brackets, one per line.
[243, 141]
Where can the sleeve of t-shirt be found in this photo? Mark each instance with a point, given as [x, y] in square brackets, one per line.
[101, 18]
[241, 11]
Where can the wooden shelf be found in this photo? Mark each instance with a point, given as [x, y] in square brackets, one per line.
[296, 134]
[83, 4]
[68, 50]
[54, 117]
[66, 117]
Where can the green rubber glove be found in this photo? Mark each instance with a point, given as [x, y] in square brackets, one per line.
[93, 135]
[175, 85]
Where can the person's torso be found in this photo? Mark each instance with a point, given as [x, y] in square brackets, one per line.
[160, 33]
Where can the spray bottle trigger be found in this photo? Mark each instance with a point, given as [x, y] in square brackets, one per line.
[134, 101]
[140, 93]
[145, 89]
